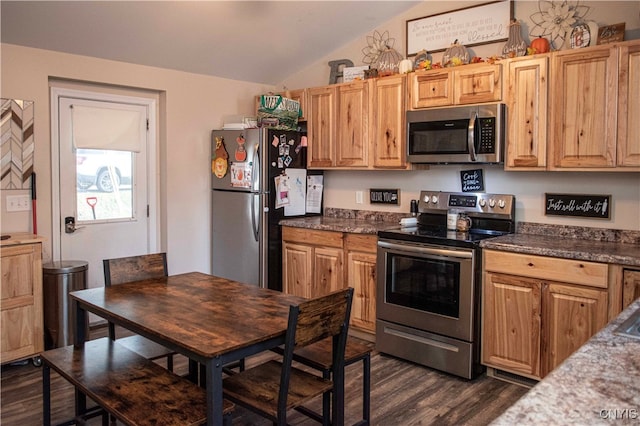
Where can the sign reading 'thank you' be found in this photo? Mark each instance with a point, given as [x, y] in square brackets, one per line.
[596, 206]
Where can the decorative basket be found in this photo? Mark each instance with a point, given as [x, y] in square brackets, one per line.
[278, 112]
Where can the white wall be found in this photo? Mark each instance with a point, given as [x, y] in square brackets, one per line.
[192, 105]
[528, 187]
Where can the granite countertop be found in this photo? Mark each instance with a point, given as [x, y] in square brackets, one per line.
[597, 384]
[345, 220]
[589, 244]
[352, 225]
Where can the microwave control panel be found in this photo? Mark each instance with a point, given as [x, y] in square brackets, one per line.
[487, 130]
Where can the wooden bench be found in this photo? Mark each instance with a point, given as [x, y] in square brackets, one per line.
[131, 388]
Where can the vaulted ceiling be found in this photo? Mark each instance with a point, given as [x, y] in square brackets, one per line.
[258, 41]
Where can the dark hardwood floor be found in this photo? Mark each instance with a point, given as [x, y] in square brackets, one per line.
[402, 393]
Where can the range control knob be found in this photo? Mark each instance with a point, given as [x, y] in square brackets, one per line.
[434, 199]
[426, 199]
[483, 202]
[501, 204]
[492, 203]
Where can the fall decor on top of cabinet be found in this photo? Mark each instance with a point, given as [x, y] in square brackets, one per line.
[405, 66]
[455, 55]
[388, 61]
[515, 45]
[555, 20]
[376, 44]
[540, 45]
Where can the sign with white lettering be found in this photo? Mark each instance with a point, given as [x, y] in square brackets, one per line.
[472, 180]
[471, 26]
[596, 206]
[384, 196]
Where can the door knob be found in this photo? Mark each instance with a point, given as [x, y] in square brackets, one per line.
[69, 224]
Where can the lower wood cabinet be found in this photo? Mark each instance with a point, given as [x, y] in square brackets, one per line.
[631, 286]
[538, 310]
[318, 262]
[21, 299]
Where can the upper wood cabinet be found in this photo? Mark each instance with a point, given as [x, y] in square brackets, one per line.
[467, 84]
[592, 107]
[388, 113]
[352, 133]
[337, 125]
[357, 125]
[526, 98]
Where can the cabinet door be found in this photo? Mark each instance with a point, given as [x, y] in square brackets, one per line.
[389, 133]
[631, 287]
[321, 127]
[296, 264]
[328, 273]
[352, 139]
[477, 84]
[571, 316]
[526, 99]
[583, 108]
[431, 89]
[511, 324]
[21, 302]
[629, 107]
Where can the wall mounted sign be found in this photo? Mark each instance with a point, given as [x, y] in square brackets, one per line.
[384, 196]
[471, 26]
[578, 205]
[18, 145]
[472, 180]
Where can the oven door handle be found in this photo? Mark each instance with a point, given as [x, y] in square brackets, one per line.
[425, 250]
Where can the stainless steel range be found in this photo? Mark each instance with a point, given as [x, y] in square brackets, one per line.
[428, 280]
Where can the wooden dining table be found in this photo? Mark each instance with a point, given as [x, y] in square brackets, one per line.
[211, 320]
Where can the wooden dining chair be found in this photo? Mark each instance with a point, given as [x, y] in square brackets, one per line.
[318, 356]
[137, 268]
[273, 388]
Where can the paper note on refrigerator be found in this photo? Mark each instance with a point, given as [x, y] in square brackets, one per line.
[314, 193]
[297, 189]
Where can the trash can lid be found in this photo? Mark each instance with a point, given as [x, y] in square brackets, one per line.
[65, 266]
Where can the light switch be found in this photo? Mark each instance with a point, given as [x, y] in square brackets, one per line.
[18, 203]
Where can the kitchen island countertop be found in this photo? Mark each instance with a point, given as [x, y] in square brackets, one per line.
[597, 384]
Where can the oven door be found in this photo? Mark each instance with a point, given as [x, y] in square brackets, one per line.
[427, 287]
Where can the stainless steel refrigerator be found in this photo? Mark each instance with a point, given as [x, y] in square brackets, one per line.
[246, 238]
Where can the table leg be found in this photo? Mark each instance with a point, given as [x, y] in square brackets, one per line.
[46, 395]
[214, 392]
[78, 340]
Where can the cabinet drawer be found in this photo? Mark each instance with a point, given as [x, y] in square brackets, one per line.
[312, 236]
[547, 268]
[361, 242]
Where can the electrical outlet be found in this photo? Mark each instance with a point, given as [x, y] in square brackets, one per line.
[18, 203]
[359, 197]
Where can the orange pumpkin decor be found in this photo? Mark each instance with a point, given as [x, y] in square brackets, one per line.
[540, 44]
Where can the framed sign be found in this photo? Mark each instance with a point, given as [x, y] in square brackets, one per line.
[578, 205]
[472, 180]
[471, 26]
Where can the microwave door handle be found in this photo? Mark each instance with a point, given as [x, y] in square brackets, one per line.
[471, 135]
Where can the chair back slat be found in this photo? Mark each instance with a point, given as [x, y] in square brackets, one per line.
[321, 317]
[134, 268]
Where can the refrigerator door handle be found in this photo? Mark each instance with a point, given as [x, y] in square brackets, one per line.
[255, 177]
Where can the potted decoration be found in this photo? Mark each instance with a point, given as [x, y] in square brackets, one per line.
[456, 54]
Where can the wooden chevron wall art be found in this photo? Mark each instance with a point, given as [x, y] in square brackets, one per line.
[17, 144]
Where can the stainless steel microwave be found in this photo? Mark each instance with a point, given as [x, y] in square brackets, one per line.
[457, 135]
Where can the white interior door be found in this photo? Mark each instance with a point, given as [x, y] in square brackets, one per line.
[103, 181]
